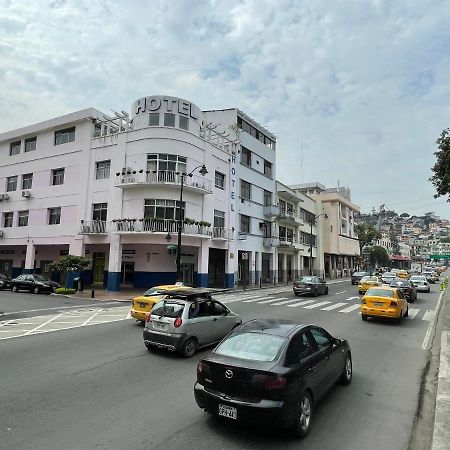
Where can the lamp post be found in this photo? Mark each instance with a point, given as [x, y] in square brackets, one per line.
[203, 172]
[312, 222]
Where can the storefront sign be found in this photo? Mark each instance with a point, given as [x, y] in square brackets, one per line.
[232, 180]
[166, 104]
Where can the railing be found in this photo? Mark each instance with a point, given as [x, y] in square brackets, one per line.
[93, 227]
[287, 240]
[222, 233]
[163, 177]
[271, 210]
[271, 241]
[290, 215]
[158, 226]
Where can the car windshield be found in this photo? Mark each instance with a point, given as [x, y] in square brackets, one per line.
[399, 282]
[40, 278]
[380, 293]
[151, 292]
[417, 279]
[306, 280]
[168, 309]
[252, 346]
[369, 279]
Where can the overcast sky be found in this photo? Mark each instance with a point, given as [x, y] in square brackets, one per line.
[355, 91]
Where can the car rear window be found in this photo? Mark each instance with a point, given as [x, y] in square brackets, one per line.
[168, 309]
[252, 346]
[369, 279]
[359, 274]
[306, 280]
[380, 293]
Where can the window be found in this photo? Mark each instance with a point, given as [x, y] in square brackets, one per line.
[166, 165]
[322, 338]
[8, 218]
[64, 136]
[11, 184]
[268, 168]
[163, 209]
[169, 120]
[245, 224]
[99, 211]
[14, 148]
[54, 216]
[246, 156]
[219, 180]
[153, 119]
[30, 144]
[299, 348]
[219, 219]
[267, 198]
[246, 190]
[305, 238]
[102, 169]
[184, 123]
[57, 177]
[27, 181]
[23, 218]
[306, 216]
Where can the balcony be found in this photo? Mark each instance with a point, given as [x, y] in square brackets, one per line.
[271, 210]
[287, 241]
[271, 241]
[93, 227]
[223, 234]
[140, 178]
[289, 216]
[162, 226]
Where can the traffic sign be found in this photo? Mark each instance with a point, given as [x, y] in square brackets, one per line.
[441, 256]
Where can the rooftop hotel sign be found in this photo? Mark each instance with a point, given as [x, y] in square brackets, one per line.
[165, 104]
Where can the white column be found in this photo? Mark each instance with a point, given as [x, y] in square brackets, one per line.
[29, 258]
[202, 264]
[115, 263]
[284, 268]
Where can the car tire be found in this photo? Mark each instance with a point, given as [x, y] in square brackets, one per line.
[14, 289]
[36, 290]
[297, 294]
[316, 292]
[428, 290]
[347, 373]
[406, 312]
[326, 290]
[304, 415]
[189, 348]
[363, 317]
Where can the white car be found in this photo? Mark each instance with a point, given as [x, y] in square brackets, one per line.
[420, 282]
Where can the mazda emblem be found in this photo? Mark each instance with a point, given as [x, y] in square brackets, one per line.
[228, 374]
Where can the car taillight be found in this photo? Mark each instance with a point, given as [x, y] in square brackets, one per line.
[363, 301]
[393, 305]
[148, 317]
[269, 382]
[202, 367]
[177, 322]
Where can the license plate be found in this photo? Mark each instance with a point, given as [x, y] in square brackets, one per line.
[159, 325]
[377, 304]
[228, 411]
[142, 305]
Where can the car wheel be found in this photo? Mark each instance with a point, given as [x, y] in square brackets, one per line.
[304, 415]
[316, 292]
[407, 312]
[189, 348]
[363, 317]
[36, 290]
[14, 289]
[297, 294]
[347, 373]
[326, 290]
[428, 290]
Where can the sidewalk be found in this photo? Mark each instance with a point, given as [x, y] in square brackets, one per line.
[126, 295]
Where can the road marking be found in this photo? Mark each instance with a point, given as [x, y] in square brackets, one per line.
[353, 298]
[430, 326]
[128, 315]
[339, 293]
[429, 315]
[58, 308]
[42, 325]
[294, 305]
[6, 322]
[350, 309]
[88, 320]
[272, 300]
[334, 306]
[285, 302]
[316, 305]
[255, 299]
[412, 313]
[12, 330]
[443, 363]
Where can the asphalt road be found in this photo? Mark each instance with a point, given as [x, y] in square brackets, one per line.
[98, 386]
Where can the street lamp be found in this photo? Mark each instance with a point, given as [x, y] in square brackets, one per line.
[312, 222]
[202, 172]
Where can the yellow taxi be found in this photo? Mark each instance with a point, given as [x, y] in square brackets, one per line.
[403, 274]
[367, 282]
[384, 301]
[143, 304]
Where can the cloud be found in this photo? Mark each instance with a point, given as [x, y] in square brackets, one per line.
[356, 91]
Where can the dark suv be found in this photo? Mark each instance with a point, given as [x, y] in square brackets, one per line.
[408, 289]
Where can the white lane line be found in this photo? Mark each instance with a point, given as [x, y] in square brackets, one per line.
[128, 315]
[13, 330]
[334, 306]
[350, 309]
[339, 293]
[430, 326]
[88, 320]
[316, 305]
[6, 322]
[305, 302]
[353, 298]
[272, 300]
[256, 299]
[42, 325]
[242, 298]
[429, 315]
[93, 307]
[285, 302]
[412, 313]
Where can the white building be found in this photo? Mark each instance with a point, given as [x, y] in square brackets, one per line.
[109, 188]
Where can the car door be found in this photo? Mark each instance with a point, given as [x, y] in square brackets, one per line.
[222, 323]
[323, 286]
[200, 321]
[29, 282]
[22, 282]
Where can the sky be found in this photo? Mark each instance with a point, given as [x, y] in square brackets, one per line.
[356, 91]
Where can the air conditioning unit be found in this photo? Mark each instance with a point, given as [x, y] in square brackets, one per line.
[1, 233]
[4, 197]
[26, 194]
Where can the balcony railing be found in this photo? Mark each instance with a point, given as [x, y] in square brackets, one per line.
[271, 241]
[271, 210]
[93, 227]
[289, 215]
[167, 177]
[287, 240]
[222, 233]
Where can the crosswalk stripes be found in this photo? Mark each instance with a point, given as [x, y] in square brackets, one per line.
[316, 305]
[334, 306]
[271, 300]
[350, 309]
[285, 302]
[255, 299]
[305, 302]
[412, 313]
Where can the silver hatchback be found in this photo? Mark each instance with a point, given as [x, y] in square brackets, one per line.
[187, 320]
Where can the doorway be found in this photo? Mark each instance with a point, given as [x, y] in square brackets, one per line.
[187, 273]
[127, 274]
[216, 267]
[6, 266]
[265, 267]
[98, 269]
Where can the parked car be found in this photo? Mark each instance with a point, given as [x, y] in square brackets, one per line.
[310, 285]
[5, 281]
[273, 371]
[407, 288]
[429, 275]
[384, 301]
[420, 283]
[33, 283]
[368, 282]
[143, 304]
[188, 319]
[356, 277]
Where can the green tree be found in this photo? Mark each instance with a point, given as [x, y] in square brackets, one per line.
[70, 263]
[394, 241]
[378, 256]
[404, 215]
[441, 169]
[366, 234]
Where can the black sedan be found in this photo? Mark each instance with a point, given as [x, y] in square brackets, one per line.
[272, 371]
[406, 287]
[33, 283]
[356, 277]
[310, 285]
[5, 281]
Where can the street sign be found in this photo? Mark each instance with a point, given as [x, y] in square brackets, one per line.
[244, 255]
[171, 247]
[441, 256]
